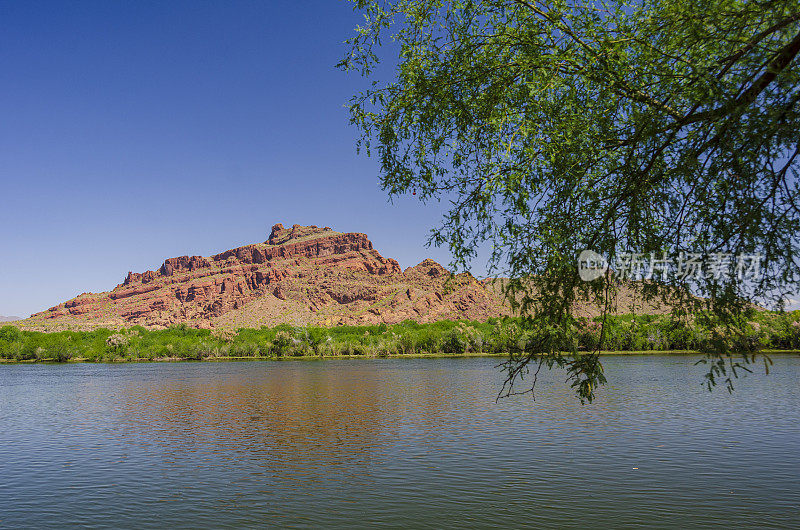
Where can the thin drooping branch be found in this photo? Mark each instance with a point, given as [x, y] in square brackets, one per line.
[615, 127]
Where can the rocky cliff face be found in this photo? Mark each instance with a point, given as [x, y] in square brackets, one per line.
[300, 275]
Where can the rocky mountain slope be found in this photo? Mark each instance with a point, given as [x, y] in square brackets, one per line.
[304, 275]
[300, 275]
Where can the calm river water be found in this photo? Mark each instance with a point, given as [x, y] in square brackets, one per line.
[399, 442]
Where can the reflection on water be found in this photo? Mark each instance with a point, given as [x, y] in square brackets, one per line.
[396, 442]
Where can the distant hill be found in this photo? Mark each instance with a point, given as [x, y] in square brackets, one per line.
[8, 319]
[304, 275]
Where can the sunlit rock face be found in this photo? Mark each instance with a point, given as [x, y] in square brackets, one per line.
[300, 275]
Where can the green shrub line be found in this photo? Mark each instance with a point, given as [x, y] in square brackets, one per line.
[767, 331]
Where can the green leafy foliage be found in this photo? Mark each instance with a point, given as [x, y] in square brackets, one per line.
[514, 336]
[619, 126]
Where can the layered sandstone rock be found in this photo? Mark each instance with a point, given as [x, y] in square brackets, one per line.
[301, 275]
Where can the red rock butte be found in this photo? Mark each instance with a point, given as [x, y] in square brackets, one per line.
[299, 275]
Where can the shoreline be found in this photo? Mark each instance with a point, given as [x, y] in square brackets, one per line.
[273, 358]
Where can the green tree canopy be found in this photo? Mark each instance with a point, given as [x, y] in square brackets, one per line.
[660, 126]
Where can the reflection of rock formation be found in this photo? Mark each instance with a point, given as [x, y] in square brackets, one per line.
[292, 416]
[304, 275]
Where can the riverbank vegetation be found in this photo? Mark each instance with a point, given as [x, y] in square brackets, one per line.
[766, 330]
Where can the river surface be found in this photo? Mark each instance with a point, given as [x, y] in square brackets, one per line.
[394, 442]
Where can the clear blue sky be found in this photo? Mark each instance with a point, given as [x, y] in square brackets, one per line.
[137, 131]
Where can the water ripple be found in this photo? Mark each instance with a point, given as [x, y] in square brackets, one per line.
[417, 443]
